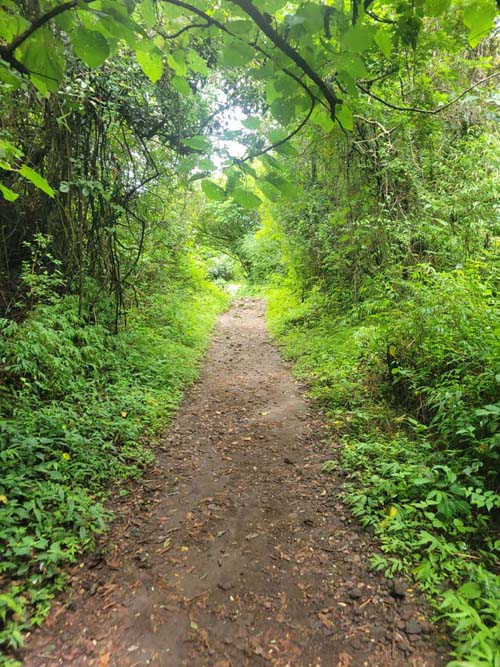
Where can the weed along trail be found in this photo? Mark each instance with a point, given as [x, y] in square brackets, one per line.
[235, 550]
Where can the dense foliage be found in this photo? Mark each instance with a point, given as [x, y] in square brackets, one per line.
[343, 152]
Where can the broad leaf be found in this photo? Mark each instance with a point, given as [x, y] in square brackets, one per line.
[43, 56]
[383, 40]
[245, 198]
[150, 59]
[90, 46]
[344, 116]
[479, 18]
[198, 143]
[148, 13]
[251, 123]
[7, 193]
[237, 54]
[177, 61]
[39, 181]
[213, 191]
[436, 7]
[181, 85]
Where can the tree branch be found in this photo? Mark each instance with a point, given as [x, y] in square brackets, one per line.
[7, 52]
[281, 141]
[287, 49]
[429, 112]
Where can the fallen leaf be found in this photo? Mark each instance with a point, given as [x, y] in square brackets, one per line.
[104, 660]
[326, 621]
[344, 660]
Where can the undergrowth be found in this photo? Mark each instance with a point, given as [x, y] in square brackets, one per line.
[78, 405]
[410, 381]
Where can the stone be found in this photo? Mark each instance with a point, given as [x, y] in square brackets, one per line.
[398, 588]
[413, 628]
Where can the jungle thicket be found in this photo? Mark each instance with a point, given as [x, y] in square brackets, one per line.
[342, 155]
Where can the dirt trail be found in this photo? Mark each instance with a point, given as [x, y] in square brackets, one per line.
[235, 550]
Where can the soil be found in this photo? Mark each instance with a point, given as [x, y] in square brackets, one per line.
[236, 551]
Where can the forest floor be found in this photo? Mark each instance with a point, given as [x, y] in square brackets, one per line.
[236, 550]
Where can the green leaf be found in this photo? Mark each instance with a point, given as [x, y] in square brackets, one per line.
[90, 46]
[245, 198]
[43, 56]
[147, 11]
[207, 164]
[237, 54]
[181, 85]
[213, 191]
[282, 110]
[150, 59]
[196, 63]
[313, 14]
[39, 181]
[357, 39]
[271, 92]
[344, 116]
[436, 7]
[177, 61]
[286, 188]
[7, 193]
[198, 143]
[383, 40]
[323, 119]
[242, 28]
[470, 591]
[251, 123]
[269, 191]
[479, 18]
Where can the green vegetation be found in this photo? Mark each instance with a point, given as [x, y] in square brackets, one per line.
[345, 155]
[425, 490]
[80, 406]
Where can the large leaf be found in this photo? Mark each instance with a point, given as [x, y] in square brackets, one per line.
[150, 59]
[251, 123]
[147, 10]
[323, 119]
[357, 39]
[213, 191]
[246, 198]
[479, 18]
[436, 7]
[177, 61]
[33, 176]
[181, 85]
[43, 56]
[282, 110]
[7, 193]
[196, 63]
[286, 188]
[237, 54]
[345, 117]
[198, 143]
[383, 40]
[90, 46]
[269, 191]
